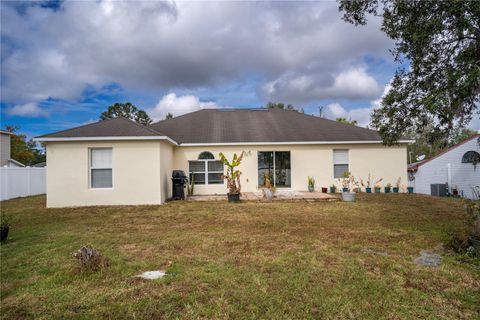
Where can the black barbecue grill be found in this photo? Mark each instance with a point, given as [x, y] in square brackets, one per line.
[179, 180]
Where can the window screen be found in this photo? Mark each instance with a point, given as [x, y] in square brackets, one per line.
[101, 168]
[340, 163]
[207, 171]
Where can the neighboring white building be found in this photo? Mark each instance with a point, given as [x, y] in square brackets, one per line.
[459, 166]
[5, 159]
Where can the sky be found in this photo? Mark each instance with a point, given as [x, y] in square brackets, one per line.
[63, 63]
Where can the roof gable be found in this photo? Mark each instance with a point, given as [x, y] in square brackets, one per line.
[414, 166]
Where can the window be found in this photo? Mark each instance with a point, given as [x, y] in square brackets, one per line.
[206, 156]
[206, 170]
[101, 168]
[340, 163]
[276, 165]
[471, 157]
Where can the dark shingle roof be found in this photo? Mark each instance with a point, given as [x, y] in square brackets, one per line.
[258, 125]
[229, 126]
[116, 127]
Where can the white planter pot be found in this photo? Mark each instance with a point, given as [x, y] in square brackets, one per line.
[348, 196]
[268, 194]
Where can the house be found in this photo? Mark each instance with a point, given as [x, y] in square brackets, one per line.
[455, 166]
[119, 161]
[5, 146]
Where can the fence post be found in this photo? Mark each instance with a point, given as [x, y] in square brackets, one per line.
[29, 181]
[7, 196]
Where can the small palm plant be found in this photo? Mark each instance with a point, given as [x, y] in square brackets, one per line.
[233, 176]
[311, 184]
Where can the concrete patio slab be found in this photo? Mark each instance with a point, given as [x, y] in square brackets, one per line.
[279, 196]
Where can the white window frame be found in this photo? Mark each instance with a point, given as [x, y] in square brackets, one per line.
[90, 168]
[274, 170]
[206, 172]
[342, 163]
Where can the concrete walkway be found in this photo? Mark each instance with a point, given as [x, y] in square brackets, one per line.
[279, 196]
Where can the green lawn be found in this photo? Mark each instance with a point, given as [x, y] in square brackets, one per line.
[234, 261]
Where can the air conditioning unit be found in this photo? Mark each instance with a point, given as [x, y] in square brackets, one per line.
[438, 189]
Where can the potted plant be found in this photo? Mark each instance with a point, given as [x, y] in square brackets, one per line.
[324, 189]
[388, 188]
[333, 188]
[410, 189]
[378, 186]
[268, 187]
[367, 185]
[397, 185]
[349, 185]
[311, 184]
[4, 228]
[190, 186]
[232, 176]
[346, 181]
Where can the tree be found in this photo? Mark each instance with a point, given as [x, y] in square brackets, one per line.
[430, 144]
[461, 135]
[126, 110]
[280, 105]
[23, 150]
[441, 42]
[344, 120]
[169, 116]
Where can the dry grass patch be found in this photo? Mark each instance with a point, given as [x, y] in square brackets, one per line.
[248, 260]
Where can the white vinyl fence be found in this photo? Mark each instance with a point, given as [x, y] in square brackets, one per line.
[22, 182]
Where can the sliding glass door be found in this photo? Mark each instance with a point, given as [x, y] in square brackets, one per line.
[276, 165]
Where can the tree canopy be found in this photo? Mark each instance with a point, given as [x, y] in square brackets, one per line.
[344, 120]
[23, 150]
[126, 110]
[441, 42]
[428, 144]
[169, 116]
[283, 106]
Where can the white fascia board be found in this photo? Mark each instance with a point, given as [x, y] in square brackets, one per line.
[129, 138]
[286, 143]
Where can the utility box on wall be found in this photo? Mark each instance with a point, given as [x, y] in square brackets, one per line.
[438, 189]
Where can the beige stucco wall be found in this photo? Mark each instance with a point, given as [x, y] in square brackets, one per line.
[142, 169]
[388, 163]
[166, 167]
[136, 174]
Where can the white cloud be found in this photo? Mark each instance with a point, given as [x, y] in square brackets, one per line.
[30, 109]
[475, 122]
[353, 83]
[178, 106]
[153, 45]
[361, 115]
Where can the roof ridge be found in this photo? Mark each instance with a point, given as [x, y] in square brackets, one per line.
[182, 115]
[328, 120]
[141, 125]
